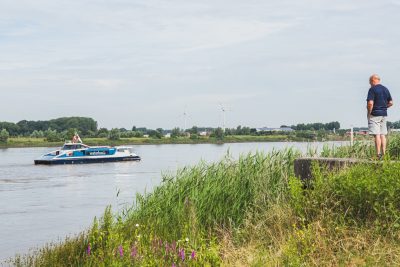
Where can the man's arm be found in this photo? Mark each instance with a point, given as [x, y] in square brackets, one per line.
[370, 105]
[390, 103]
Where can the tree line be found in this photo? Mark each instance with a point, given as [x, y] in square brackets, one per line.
[330, 126]
[64, 128]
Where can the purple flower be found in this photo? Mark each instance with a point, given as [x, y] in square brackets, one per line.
[121, 251]
[134, 252]
[173, 265]
[193, 255]
[88, 249]
[182, 254]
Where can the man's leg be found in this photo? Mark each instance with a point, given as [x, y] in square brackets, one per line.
[383, 142]
[378, 144]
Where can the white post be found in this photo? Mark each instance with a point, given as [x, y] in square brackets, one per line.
[223, 126]
[351, 136]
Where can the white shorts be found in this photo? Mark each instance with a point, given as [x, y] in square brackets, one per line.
[377, 125]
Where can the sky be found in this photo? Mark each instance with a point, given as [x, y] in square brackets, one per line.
[147, 62]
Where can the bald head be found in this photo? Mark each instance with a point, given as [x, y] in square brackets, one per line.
[374, 79]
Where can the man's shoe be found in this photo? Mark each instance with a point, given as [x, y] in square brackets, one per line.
[380, 156]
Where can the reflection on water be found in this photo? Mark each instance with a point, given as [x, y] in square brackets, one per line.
[39, 204]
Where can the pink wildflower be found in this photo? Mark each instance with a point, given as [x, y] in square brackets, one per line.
[193, 255]
[134, 252]
[182, 254]
[121, 251]
[88, 250]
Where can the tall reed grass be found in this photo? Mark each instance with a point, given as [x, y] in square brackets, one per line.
[249, 212]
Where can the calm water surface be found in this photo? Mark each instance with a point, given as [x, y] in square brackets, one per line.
[40, 204]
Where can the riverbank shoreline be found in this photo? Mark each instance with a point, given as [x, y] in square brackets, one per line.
[24, 142]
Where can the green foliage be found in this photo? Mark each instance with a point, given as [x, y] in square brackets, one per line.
[155, 133]
[194, 136]
[114, 134]
[215, 192]
[394, 146]
[360, 150]
[363, 194]
[4, 135]
[194, 130]
[317, 126]
[52, 136]
[218, 133]
[306, 135]
[176, 132]
[37, 134]
[181, 218]
[248, 212]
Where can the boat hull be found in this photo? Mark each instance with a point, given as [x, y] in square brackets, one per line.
[85, 160]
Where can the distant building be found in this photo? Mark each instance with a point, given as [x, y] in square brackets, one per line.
[146, 136]
[204, 133]
[168, 135]
[281, 129]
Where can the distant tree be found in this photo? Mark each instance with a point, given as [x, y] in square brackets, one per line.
[194, 130]
[103, 132]
[138, 134]
[37, 134]
[316, 126]
[154, 134]
[134, 129]
[91, 133]
[176, 132]
[218, 133]
[394, 125]
[114, 134]
[142, 129]
[253, 131]
[194, 136]
[12, 128]
[52, 135]
[4, 135]
[128, 134]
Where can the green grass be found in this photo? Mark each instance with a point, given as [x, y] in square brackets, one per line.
[249, 212]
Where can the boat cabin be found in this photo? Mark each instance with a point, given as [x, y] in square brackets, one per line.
[71, 146]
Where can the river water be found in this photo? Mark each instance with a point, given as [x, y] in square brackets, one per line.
[41, 204]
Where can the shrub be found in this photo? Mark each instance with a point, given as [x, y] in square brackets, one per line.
[363, 194]
[4, 135]
[114, 134]
[52, 136]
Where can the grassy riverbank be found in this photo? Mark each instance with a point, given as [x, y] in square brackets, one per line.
[41, 142]
[248, 212]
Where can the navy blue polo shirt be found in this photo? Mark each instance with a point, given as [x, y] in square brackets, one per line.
[381, 96]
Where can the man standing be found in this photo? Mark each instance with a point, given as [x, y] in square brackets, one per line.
[378, 100]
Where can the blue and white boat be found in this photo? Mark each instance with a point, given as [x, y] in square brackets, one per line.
[77, 153]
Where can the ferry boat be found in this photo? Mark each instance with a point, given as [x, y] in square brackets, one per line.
[76, 152]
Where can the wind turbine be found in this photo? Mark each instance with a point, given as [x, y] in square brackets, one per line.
[184, 119]
[223, 110]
